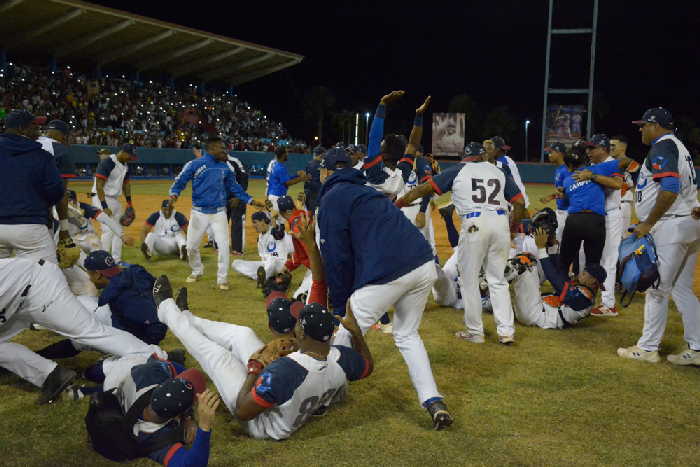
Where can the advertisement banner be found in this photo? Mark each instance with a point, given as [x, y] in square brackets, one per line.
[564, 124]
[448, 134]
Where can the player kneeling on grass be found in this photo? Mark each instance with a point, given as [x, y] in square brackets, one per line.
[572, 300]
[275, 400]
[144, 410]
[274, 245]
[163, 233]
[37, 292]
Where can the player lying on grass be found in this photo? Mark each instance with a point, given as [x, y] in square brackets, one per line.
[571, 301]
[272, 400]
[37, 292]
[80, 227]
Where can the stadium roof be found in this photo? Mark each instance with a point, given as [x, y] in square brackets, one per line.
[78, 32]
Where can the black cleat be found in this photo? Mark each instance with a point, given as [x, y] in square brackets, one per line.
[144, 250]
[209, 244]
[441, 417]
[181, 299]
[446, 211]
[55, 383]
[162, 290]
[183, 253]
[177, 356]
[261, 277]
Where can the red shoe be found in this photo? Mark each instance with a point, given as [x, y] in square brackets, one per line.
[603, 310]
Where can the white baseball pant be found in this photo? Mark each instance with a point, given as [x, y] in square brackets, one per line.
[272, 267]
[111, 242]
[613, 237]
[408, 295]
[677, 242]
[626, 208]
[305, 286]
[485, 241]
[87, 241]
[198, 225]
[222, 349]
[165, 245]
[273, 199]
[561, 221]
[529, 308]
[31, 241]
[50, 303]
[445, 289]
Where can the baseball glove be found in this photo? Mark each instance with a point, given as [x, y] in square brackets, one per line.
[128, 217]
[273, 350]
[279, 282]
[67, 253]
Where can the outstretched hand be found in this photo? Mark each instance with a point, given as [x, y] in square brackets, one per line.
[420, 110]
[207, 403]
[305, 230]
[391, 97]
[541, 238]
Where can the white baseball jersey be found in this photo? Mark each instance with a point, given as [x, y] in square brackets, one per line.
[295, 386]
[481, 186]
[667, 158]
[167, 226]
[114, 173]
[15, 281]
[268, 246]
[612, 197]
[268, 171]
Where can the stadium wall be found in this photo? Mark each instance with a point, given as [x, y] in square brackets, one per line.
[166, 163]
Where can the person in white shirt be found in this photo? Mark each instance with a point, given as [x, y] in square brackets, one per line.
[164, 233]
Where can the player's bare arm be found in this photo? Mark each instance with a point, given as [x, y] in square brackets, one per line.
[62, 211]
[663, 203]
[100, 188]
[609, 182]
[246, 407]
[306, 234]
[393, 96]
[302, 176]
[358, 340]
[417, 131]
[425, 189]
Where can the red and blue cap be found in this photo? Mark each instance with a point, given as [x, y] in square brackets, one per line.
[18, 119]
[599, 139]
[658, 115]
[102, 262]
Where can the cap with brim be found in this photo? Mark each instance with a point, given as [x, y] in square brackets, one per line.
[317, 322]
[500, 143]
[130, 149]
[333, 157]
[279, 315]
[196, 377]
[18, 119]
[261, 216]
[172, 398]
[599, 139]
[658, 115]
[102, 262]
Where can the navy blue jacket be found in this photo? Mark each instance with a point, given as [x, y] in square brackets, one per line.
[130, 298]
[365, 239]
[29, 181]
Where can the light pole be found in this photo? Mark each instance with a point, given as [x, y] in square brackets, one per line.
[357, 126]
[527, 124]
[366, 128]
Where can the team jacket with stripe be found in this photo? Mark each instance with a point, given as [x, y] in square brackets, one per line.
[29, 181]
[213, 183]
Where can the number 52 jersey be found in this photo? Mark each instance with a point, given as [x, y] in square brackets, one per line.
[667, 167]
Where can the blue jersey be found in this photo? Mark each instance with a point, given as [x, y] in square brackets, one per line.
[560, 175]
[588, 195]
[276, 183]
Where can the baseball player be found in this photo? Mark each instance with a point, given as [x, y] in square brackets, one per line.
[280, 180]
[213, 182]
[111, 180]
[481, 193]
[274, 401]
[273, 252]
[313, 185]
[80, 226]
[360, 231]
[299, 257]
[236, 209]
[36, 292]
[496, 148]
[571, 302]
[618, 150]
[666, 196]
[164, 232]
[29, 185]
[556, 153]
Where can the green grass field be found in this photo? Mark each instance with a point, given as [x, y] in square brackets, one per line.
[554, 398]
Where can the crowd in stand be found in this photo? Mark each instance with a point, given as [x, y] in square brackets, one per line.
[112, 109]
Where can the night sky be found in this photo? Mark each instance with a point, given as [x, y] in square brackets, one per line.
[494, 51]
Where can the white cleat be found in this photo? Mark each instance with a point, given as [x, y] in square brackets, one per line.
[635, 353]
[223, 287]
[506, 340]
[386, 328]
[192, 278]
[467, 336]
[688, 357]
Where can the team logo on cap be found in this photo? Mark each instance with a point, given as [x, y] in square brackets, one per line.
[109, 261]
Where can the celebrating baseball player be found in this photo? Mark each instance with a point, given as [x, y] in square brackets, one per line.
[273, 396]
[80, 227]
[360, 231]
[111, 180]
[556, 153]
[213, 182]
[36, 292]
[496, 148]
[273, 251]
[280, 180]
[481, 193]
[164, 232]
[29, 185]
[666, 197]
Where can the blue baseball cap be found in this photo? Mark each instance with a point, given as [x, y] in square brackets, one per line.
[656, 115]
[130, 149]
[558, 147]
[317, 322]
[599, 139]
[285, 203]
[318, 150]
[102, 262]
[500, 143]
[333, 157]
[474, 148]
[18, 119]
[354, 148]
[279, 315]
[172, 398]
[261, 216]
[58, 125]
